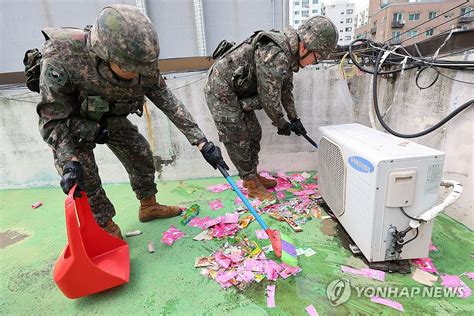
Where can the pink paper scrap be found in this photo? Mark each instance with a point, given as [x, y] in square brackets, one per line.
[199, 222]
[266, 175]
[366, 272]
[171, 235]
[280, 195]
[426, 264]
[218, 187]
[470, 275]
[231, 218]
[310, 186]
[311, 310]
[282, 174]
[261, 234]
[297, 177]
[271, 296]
[433, 247]
[387, 302]
[455, 281]
[304, 192]
[216, 204]
[222, 260]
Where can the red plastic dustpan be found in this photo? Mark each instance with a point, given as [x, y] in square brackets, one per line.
[92, 260]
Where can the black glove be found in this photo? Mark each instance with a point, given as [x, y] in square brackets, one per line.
[72, 174]
[213, 155]
[103, 136]
[297, 127]
[284, 129]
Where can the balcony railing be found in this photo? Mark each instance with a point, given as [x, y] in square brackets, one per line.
[466, 19]
[397, 24]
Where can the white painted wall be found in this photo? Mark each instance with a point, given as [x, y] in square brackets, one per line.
[322, 98]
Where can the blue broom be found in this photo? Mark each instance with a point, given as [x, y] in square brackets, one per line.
[282, 245]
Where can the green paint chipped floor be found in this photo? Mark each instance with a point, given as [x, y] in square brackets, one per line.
[166, 282]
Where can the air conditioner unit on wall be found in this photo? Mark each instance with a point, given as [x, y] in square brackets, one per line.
[367, 176]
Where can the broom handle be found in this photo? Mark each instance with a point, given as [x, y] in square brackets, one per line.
[310, 140]
[242, 197]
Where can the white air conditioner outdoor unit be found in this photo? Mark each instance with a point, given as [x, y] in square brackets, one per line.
[366, 177]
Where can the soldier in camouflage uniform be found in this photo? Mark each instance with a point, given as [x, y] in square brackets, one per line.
[90, 81]
[258, 74]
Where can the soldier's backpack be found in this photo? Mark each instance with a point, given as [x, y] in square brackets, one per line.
[32, 61]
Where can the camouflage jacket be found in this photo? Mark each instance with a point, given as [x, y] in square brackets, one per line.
[79, 90]
[263, 66]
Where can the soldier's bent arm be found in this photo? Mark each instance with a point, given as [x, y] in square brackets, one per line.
[175, 110]
[271, 69]
[55, 110]
[287, 98]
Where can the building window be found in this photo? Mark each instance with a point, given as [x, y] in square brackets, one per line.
[296, 3]
[348, 38]
[315, 1]
[429, 32]
[414, 16]
[342, 12]
[305, 13]
[412, 33]
[432, 15]
[304, 1]
[398, 16]
[348, 29]
[395, 37]
[297, 12]
[340, 31]
[315, 11]
[349, 20]
[297, 21]
[349, 11]
[466, 12]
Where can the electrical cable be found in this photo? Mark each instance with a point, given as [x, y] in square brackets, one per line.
[410, 217]
[416, 235]
[427, 131]
[418, 77]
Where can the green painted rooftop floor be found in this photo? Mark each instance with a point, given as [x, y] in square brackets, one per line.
[166, 281]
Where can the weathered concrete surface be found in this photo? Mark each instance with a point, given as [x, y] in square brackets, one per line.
[322, 98]
[166, 282]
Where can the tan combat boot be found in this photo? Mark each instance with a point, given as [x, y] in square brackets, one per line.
[113, 229]
[267, 183]
[150, 210]
[257, 190]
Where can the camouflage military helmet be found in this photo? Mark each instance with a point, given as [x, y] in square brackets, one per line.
[319, 34]
[124, 35]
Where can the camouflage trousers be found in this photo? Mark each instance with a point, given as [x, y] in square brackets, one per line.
[238, 130]
[133, 151]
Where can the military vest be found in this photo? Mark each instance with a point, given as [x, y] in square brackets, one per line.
[97, 97]
[237, 65]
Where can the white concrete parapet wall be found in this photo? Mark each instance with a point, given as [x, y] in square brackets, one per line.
[321, 97]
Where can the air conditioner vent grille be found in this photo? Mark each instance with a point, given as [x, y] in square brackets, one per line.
[331, 175]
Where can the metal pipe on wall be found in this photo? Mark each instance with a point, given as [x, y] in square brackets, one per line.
[200, 28]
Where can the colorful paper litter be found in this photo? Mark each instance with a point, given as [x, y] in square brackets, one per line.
[271, 296]
[171, 235]
[426, 264]
[297, 177]
[454, 281]
[433, 247]
[311, 310]
[424, 277]
[470, 275]
[387, 302]
[366, 272]
[216, 204]
[261, 234]
[218, 187]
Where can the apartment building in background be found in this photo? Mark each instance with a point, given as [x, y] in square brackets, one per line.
[362, 17]
[400, 20]
[300, 10]
[342, 13]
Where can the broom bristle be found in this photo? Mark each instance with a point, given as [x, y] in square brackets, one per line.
[288, 251]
